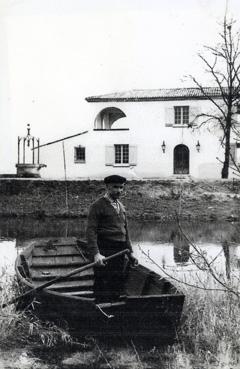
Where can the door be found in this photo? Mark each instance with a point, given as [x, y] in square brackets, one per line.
[181, 159]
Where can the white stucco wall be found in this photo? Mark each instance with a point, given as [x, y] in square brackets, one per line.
[146, 122]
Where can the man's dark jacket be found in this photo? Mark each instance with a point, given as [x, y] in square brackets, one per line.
[105, 223]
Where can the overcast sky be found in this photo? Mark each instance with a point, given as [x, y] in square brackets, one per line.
[54, 53]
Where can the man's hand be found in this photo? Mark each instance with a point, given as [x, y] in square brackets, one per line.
[132, 260]
[98, 259]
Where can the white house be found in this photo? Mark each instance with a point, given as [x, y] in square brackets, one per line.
[144, 134]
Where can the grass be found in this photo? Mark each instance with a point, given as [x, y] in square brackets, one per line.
[18, 327]
[209, 337]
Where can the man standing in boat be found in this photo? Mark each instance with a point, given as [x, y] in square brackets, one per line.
[107, 233]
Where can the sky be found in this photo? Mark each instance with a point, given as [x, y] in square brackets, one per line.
[54, 53]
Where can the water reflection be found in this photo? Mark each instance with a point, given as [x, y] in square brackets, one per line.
[8, 252]
[163, 256]
[163, 242]
[25, 228]
[181, 247]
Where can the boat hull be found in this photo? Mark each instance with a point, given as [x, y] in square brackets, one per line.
[152, 306]
[157, 316]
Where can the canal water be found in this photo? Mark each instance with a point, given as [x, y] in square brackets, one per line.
[161, 247]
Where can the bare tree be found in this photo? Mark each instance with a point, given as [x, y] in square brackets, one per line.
[222, 62]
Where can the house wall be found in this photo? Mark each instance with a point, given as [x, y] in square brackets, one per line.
[148, 124]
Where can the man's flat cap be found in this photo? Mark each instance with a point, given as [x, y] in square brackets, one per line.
[114, 179]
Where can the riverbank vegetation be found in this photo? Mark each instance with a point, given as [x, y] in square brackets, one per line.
[209, 336]
[17, 327]
[158, 200]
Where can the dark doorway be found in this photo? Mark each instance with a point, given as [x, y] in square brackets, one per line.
[181, 159]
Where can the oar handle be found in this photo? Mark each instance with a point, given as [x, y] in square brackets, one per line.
[62, 277]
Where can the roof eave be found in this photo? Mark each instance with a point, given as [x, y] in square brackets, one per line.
[153, 98]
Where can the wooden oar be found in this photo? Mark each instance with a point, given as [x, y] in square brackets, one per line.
[62, 277]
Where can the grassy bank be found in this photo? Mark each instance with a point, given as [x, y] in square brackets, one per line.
[146, 200]
[209, 337]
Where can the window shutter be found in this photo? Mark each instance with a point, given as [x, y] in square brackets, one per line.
[233, 153]
[109, 155]
[132, 155]
[169, 117]
[194, 111]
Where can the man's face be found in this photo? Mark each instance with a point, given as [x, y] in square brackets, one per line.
[115, 190]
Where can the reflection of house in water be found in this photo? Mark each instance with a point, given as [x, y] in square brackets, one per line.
[181, 247]
[232, 254]
[226, 251]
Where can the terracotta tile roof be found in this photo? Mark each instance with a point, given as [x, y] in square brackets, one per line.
[161, 94]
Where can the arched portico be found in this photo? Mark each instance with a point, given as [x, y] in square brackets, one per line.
[107, 116]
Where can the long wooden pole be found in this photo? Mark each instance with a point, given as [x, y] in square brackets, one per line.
[62, 277]
[65, 176]
[33, 152]
[61, 139]
[19, 149]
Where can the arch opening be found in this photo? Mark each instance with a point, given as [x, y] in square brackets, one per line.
[181, 159]
[107, 117]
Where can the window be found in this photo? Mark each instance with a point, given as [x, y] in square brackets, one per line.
[121, 154]
[181, 115]
[79, 154]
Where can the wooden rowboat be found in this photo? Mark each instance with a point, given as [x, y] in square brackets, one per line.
[151, 305]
